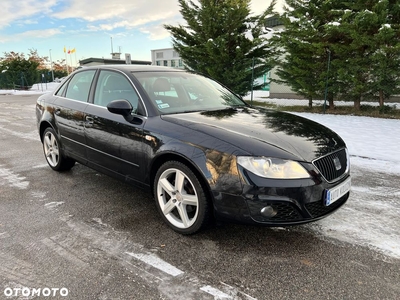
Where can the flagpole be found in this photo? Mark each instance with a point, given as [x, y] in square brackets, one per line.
[66, 60]
[70, 58]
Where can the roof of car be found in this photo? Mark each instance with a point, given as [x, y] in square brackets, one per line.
[136, 68]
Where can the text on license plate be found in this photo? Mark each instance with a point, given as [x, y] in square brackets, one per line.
[337, 192]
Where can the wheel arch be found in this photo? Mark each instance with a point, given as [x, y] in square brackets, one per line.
[42, 128]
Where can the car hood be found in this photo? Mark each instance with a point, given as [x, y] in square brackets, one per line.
[259, 131]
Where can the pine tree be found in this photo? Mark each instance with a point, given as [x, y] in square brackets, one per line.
[361, 38]
[354, 49]
[221, 39]
[369, 64]
[300, 58]
[386, 59]
[307, 62]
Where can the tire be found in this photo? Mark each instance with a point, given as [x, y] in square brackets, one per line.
[53, 153]
[180, 198]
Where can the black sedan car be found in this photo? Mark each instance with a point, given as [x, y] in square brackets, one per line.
[202, 151]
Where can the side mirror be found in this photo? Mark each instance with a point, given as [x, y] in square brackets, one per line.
[120, 107]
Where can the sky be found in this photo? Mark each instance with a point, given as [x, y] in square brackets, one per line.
[93, 28]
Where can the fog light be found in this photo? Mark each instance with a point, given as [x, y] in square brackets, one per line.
[268, 211]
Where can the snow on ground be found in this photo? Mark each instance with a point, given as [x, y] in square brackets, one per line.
[37, 88]
[371, 216]
[264, 97]
[373, 143]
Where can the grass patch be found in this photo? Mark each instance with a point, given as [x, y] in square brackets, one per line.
[387, 112]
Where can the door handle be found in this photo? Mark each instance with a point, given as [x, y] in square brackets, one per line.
[89, 120]
[57, 111]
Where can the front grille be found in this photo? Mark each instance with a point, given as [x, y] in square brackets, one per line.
[286, 212]
[329, 169]
[318, 209]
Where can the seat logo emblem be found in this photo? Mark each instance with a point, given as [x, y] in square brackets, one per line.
[336, 161]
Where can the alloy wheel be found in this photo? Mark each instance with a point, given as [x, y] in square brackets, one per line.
[177, 198]
[51, 150]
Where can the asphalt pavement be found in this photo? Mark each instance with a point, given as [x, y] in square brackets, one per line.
[83, 235]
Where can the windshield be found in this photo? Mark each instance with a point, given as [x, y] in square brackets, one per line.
[176, 92]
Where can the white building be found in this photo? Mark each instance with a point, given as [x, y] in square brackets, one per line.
[278, 90]
[167, 57]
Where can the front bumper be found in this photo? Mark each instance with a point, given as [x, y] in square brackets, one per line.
[293, 201]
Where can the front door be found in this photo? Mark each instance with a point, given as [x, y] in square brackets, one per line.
[114, 144]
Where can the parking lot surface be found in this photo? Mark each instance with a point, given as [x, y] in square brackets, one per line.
[99, 238]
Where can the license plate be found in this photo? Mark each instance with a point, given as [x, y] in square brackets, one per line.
[337, 192]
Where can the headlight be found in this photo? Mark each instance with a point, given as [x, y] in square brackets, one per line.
[273, 168]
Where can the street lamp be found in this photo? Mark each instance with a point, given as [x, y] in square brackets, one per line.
[51, 67]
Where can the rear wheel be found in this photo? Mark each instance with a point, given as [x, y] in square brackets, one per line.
[53, 153]
[180, 198]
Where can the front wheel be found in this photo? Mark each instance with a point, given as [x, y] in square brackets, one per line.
[52, 152]
[180, 198]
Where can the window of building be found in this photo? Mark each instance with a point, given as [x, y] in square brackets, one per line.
[172, 63]
[159, 54]
[158, 63]
[180, 63]
[165, 63]
[175, 54]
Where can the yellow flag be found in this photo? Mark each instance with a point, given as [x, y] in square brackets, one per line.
[73, 50]
[65, 50]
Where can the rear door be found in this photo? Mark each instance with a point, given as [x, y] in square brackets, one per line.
[69, 108]
[114, 144]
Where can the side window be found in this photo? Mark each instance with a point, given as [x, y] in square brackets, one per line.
[114, 86]
[79, 86]
[61, 90]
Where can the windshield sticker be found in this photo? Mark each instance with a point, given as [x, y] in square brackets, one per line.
[165, 105]
[158, 101]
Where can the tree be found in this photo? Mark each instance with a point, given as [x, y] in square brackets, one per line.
[17, 70]
[42, 61]
[353, 50]
[302, 59]
[362, 39]
[385, 73]
[59, 69]
[370, 65]
[307, 51]
[221, 39]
